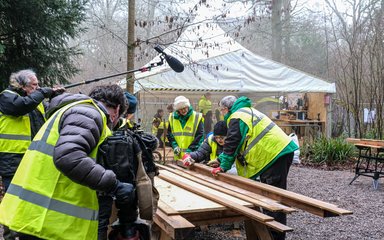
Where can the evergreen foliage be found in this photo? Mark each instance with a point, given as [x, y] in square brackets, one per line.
[35, 33]
[329, 151]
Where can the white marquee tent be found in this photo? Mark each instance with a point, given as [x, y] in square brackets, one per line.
[215, 62]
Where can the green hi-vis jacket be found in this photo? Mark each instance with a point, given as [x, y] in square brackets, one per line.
[184, 136]
[264, 141]
[41, 201]
[15, 131]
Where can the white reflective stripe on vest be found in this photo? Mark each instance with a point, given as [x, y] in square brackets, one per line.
[259, 137]
[176, 134]
[254, 123]
[15, 137]
[52, 204]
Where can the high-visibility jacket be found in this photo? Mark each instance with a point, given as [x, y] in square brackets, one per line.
[184, 136]
[43, 202]
[213, 145]
[160, 126]
[205, 105]
[264, 141]
[15, 131]
[126, 122]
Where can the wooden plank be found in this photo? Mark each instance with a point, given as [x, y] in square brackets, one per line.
[364, 141]
[256, 199]
[308, 204]
[199, 186]
[174, 226]
[368, 145]
[250, 213]
[279, 226]
[220, 220]
[166, 208]
[219, 188]
[183, 201]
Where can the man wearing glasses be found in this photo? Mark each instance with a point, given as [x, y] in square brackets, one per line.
[258, 146]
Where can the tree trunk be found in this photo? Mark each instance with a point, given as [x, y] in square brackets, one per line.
[131, 45]
[276, 30]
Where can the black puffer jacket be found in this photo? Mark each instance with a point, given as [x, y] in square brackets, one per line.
[203, 153]
[19, 105]
[80, 129]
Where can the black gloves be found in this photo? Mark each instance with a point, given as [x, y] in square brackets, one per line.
[46, 91]
[124, 193]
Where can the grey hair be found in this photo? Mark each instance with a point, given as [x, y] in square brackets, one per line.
[21, 78]
[227, 101]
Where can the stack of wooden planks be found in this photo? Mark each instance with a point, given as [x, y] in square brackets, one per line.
[193, 197]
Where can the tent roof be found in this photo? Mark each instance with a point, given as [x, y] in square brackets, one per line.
[216, 62]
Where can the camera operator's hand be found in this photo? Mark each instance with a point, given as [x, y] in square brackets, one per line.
[124, 192]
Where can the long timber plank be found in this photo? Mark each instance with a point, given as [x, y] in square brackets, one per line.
[364, 141]
[286, 197]
[257, 200]
[248, 212]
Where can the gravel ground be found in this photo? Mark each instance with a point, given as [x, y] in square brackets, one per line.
[367, 204]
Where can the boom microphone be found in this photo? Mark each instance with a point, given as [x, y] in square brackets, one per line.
[173, 63]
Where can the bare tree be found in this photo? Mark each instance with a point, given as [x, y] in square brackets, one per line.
[353, 60]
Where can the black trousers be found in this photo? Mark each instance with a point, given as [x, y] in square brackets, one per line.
[276, 175]
[126, 214]
[208, 122]
[159, 137]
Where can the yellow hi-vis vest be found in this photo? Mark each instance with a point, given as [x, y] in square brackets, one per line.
[213, 145]
[264, 141]
[184, 136]
[127, 122]
[15, 131]
[41, 201]
[205, 105]
[161, 125]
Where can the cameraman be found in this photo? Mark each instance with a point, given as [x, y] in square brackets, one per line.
[105, 200]
[121, 153]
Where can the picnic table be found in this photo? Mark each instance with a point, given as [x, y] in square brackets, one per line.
[193, 197]
[370, 161]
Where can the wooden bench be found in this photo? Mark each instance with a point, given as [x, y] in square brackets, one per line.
[370, 162]
[193, 197]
